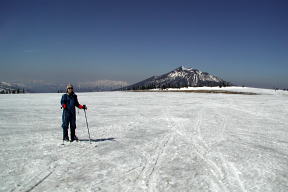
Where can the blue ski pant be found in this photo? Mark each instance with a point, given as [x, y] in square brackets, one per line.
[68, 118]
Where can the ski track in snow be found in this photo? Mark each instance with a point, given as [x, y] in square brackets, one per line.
[146, 142]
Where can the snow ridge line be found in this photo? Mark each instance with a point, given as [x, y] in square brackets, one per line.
[30, 185]
[235, 107]
[151, 175]
[148, 171]
[230, 166]
[201, 149]
[39, 182]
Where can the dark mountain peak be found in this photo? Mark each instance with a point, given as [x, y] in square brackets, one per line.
[180, 77]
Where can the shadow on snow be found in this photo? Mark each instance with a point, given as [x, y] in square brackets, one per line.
[99, 140]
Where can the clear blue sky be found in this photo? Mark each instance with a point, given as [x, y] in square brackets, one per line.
[245, 42]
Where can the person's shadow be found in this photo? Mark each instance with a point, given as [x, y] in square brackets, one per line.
[99, 140]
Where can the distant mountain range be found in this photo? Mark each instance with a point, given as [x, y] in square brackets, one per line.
[39, 86]
[6, 88]
[180, 77]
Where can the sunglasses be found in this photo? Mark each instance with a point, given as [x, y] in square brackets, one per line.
[70, 88]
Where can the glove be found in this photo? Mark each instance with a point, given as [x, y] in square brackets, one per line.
[64, 106]
[82, 107]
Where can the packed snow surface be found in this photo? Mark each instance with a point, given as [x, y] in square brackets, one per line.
[147, 142]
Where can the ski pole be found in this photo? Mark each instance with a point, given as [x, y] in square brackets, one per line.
[87, 126]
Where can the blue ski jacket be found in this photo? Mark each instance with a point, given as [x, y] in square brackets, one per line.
[69, 102]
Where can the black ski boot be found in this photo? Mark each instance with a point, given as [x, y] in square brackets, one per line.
[74, 138]
[65, 135]
[66, 138]
[73, 135]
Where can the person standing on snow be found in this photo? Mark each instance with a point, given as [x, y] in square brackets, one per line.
[68, 103]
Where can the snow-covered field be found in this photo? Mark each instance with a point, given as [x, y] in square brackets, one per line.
[231, 89]
[147, 142]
